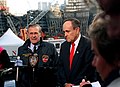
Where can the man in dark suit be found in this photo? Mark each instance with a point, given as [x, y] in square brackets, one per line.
[81, 66]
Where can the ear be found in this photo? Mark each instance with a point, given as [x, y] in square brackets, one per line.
[27, 34]
[78, 29]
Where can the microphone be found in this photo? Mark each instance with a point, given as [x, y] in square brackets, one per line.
[18, 63]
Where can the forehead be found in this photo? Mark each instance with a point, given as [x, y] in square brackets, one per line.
[33, 29]
[67, 25]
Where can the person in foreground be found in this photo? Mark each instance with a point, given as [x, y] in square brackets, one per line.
[111, 8]
[4, 64]
[107, 53]
[72, 71]
[44, 74]
[4, 59]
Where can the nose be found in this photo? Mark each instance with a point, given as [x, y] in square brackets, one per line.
[33, 36]
[65, 34]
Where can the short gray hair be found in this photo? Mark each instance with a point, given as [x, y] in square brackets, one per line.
[35, 25]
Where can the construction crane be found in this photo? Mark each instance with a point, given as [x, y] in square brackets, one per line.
[39, 16]
[10, 22]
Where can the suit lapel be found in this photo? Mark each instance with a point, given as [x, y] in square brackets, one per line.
[66, 57]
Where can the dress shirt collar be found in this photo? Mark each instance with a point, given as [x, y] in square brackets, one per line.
[32, 46]
[77, 41]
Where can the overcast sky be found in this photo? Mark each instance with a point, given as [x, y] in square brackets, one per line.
[20, 7]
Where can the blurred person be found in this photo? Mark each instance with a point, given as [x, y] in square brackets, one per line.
[4, 64]
[107, 53]
[4, 59]
[46, 67]
[111, 8]
[71, 72]
[111, 13]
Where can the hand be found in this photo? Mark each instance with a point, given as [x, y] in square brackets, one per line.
[84, 83]
[68, 85]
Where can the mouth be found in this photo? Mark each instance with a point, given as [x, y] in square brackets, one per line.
[33, 38]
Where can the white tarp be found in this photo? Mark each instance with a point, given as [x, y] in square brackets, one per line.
[10, 42]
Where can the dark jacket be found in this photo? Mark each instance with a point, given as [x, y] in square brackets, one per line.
[45, 70]
[4, 59]
[81, 66]
[4, 64]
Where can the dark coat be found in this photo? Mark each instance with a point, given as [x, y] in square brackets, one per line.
[81, 66]
[4, 64]
[45, 71]
[4, 59]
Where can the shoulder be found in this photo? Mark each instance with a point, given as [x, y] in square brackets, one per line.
[85, 39]
[25, 45]
[1, 49]
[65, 43]
[47, 44]
[115, 83]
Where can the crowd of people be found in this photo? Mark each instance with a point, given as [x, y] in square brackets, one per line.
[93, 58]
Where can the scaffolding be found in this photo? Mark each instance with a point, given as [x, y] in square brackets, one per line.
[4, 10]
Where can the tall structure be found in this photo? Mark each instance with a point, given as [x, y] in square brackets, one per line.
[39, 6]
[75, 5]
[3, 20]
[3, 3]
[44, 6]
[49, 18]
[80, 9]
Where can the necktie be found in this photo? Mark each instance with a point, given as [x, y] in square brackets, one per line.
[34, 49]
[72, 54]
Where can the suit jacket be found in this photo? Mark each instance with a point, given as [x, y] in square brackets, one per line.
[81, 65]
